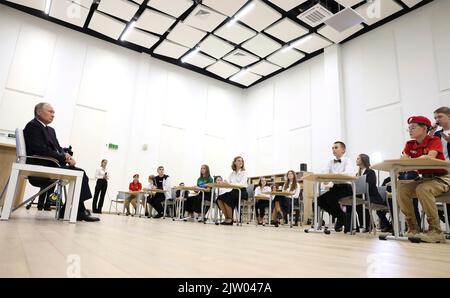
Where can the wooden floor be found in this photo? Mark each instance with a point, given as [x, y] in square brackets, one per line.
[33, 244]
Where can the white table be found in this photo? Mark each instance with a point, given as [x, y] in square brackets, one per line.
[20, 171]
[394, 166]
[317, 179]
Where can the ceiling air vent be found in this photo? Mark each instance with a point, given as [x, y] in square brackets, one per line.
[202, 13]
[316, 15]
[239, 54]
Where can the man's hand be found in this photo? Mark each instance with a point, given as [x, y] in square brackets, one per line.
[71, 161]
[67, 156]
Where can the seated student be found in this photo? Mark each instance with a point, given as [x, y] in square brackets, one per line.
[261, 205]
[162, 182]
[194, 203]
[135, 185]
[363, 163]
[329, 201]
[230, 197]
[431, 184]
[149, 186]
[282, 203]
[442, 118]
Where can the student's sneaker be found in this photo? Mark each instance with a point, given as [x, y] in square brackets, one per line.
[434, 234]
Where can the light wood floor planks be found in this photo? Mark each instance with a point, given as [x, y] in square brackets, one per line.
[34, 244]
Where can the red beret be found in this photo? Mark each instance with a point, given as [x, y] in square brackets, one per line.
[420, 119]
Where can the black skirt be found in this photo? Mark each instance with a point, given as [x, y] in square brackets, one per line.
[232, 198]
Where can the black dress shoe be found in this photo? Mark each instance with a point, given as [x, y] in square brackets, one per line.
[158, 216]
[227, 223]
[87, 217]
[339, 224]
[47, 208]
[40, 207]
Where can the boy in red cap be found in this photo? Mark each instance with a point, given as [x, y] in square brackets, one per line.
[431, 184]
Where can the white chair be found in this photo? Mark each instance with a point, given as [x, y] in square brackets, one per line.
[41, 171]
[120, 199]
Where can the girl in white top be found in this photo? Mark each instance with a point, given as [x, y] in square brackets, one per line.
[100, 187]
[281, 203]
[261, 204]
[230, 198]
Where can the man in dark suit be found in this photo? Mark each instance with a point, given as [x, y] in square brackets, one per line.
[40, 140]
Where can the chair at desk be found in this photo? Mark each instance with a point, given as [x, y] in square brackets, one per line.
[247, 206]
[362, 189]
[444, 199]
[170, 202]
[379, 207]
[120, 199]
[21, 155]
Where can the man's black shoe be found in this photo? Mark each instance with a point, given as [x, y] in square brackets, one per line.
[40, 207]
[87, 217]
[339, 224]
[158, 216]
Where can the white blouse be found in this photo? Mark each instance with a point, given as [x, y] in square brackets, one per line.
[259, 191]
[100, 173]
[294, 193]
[237, 178]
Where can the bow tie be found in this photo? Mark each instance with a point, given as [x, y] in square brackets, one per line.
[337, 161]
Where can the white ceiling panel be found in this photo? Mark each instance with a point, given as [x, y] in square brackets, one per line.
[106, 25]
[348, 3]
[287, 5]
[170, 49]
[227, 7]
[261, 45]
[84, 3]
[223, 69]
[204, 18]
[69, 12]
[286, 30]
[186, 35]
[383, 9]
[122, 9]
[337, 36]
[245, 78]
[241, 58]
[264, 68]
[141, 38]
[285, 58]
[411, 3]
[154, 21]
[36, 4]
[173, 7]
[235, 33]
[201, 60]
[312, 43]
[215, 46]
[261, 16]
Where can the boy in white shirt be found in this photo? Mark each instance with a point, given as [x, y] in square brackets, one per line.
[329, 201]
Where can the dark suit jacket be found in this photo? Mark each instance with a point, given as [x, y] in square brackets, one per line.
[439, 135]
[42, 141]
[371, 179]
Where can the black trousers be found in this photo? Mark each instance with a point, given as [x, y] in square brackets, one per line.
[194, 203]
[261, 206]
[100, 190]
[43, 183]
[85, 193]
[156, 202]
[329, 201]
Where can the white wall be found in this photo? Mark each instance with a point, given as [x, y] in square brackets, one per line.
[396, 71]
[106, 94]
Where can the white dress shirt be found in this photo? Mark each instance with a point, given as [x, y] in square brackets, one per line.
[100, 173]
[343, 167]
[295, 193]
[444, 145]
